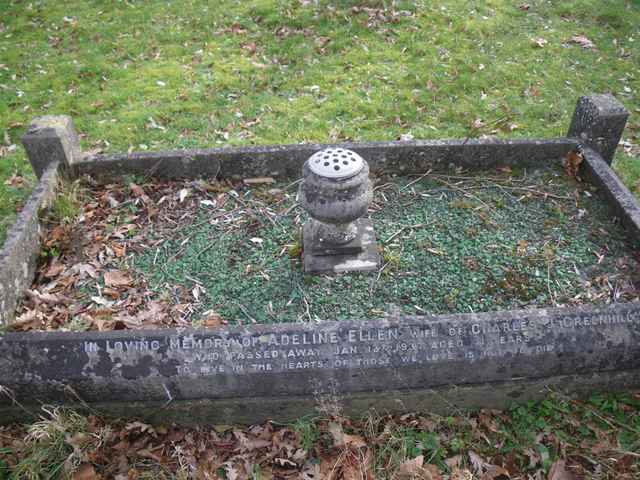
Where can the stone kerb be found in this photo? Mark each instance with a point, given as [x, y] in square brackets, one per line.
[471, 360]
[372, 357]
[19, 254]
[286, 160]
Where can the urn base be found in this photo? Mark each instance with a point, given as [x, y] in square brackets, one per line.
[358, 255]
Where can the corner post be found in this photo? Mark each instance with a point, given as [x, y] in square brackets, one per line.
[51, 138]
[599, 121]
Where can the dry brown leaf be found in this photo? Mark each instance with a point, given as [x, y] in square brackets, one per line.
[416, 469]
[411, 468]
[461, 474]
[539, 42]
[341, 439]
[558, 471]
[54, 270]
[27, 321]
[117, 278]
[258, 180]
[85, 472]
[495, 472]
[477, 461]
[583, 41]
[47, 298]
[572, 163]
[16, 181]
[137, 190]
[212, 320]
[453, 462]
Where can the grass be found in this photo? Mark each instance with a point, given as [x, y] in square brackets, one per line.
[152, 75]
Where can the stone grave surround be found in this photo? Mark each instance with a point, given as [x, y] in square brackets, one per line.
[248, 374]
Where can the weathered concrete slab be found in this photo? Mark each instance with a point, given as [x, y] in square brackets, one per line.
[287, 160]
[598, 121]
[306, 363]
[19, 254]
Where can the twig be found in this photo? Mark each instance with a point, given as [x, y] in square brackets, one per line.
[169, 396]
[455, 187]
[416, 180]
[246, 312]
[375, 282]
[6, 391]
[609, 421]
[402, 230]
[70, 389]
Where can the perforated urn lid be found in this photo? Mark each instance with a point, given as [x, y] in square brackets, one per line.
[336, 163]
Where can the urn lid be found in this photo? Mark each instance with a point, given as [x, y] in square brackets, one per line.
[336, 163]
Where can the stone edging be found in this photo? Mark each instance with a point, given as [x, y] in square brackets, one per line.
[20, 251]
[282, 371]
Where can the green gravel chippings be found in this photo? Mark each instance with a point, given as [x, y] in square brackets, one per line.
[464, 246]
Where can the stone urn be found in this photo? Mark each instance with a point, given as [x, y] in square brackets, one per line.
[336, 192]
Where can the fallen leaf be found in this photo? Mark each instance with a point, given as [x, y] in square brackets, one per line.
[117, 278]
[411, 468]
[495, 472]
[453, 462]
[136, 190]
[572, 163]
[558, 471]
[54, 270]
[101, 301]
[212, 319]
[416, 469]
[47, 298]
[85, 472]
[583, 41]
[341, 439]
[539, 42]
[27, 321]
[16, 181]
[258, 180]
[477, 461]
[184, 193]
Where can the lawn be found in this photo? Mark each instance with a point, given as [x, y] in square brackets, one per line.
[152, 75]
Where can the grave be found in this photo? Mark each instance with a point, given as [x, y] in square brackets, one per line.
[387, 340]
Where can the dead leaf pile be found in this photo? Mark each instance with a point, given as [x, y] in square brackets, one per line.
[394, 447]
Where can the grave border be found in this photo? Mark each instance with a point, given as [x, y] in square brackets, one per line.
[53, 149]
